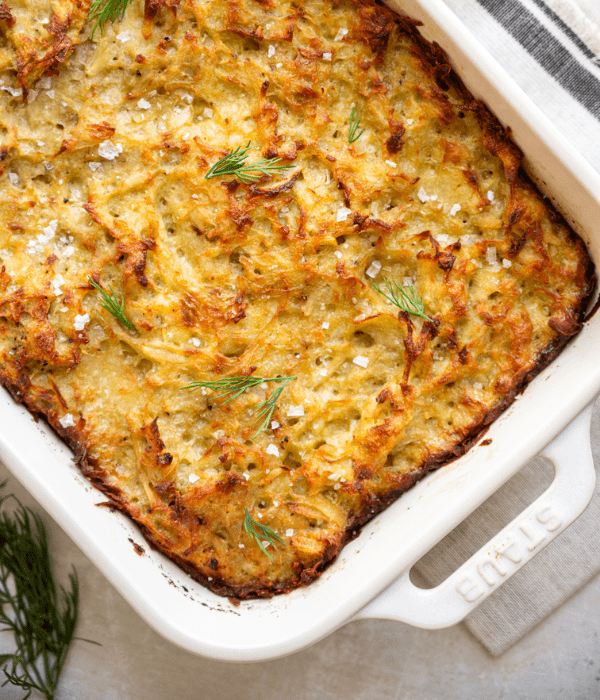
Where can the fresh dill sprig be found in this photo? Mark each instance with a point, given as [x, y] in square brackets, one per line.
[355, 118]
[404, 298]
[260, 532]
[234, 163]
[106, 11]
[229, 388]
[111, 303]
[41, 615]
[265, 410]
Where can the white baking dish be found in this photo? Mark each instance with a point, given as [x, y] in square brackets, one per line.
[189, 615]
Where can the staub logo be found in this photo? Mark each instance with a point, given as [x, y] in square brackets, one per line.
[513, 550]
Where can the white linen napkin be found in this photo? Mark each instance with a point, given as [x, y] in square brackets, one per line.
[551, 48]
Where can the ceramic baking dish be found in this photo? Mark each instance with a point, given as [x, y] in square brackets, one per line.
[355, 585]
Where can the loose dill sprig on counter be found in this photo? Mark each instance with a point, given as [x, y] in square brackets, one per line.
[260, 532]
[111, 303]
[229, 388]
[355, 118]
[234, 163]
[104, 11]
[41, 615]
[404, 298]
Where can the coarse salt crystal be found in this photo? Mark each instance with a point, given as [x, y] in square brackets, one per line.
[271, 51]
[44, 83]
[337, 253]
[109, 150]
[506, 263]
[185, 137]
[67, 421]
[442, 238]
[374, 269]
[195, 341]
[241, 546]
[143, 104]
[58, 281]
[273, 450]
[81, 321]
[343, 213]
[327, 56]
[32, 95]
[274, 425]
[490, 195]
[455, 209]
[93, 165]
[15, 92]
[50, 94]
[295, 411]
[69, 250]
[361, 361]
[208, 112]
[246, 476]
[289, 532]
[391, 163]
[265, 543]
[334, 477]
[422, 195]
[193, 478]
[341, 34]
[407, 281]
[491, 255]
[323, 372]
[124, 36]
[325, 325]
[14, 178]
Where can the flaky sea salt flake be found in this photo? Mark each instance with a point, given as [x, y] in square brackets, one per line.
[108, 150]
[374, 269]
[81, 320]
[67, 421]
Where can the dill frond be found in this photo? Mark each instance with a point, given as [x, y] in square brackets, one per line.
[234, 163]
[103, 11]
[260, 532]
[404, 298]
[355, 118]
[111, 303]
[229, 388]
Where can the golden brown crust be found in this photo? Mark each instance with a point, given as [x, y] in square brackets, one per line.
[269, 278]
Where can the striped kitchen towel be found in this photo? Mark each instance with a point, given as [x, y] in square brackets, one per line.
[551, 48]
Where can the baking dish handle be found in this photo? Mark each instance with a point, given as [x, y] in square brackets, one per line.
[562, 503]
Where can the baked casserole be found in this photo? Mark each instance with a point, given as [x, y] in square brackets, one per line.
[264, 265]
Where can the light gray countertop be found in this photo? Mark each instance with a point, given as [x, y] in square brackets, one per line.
[560, 659]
